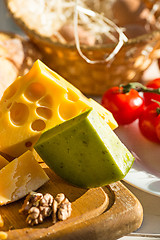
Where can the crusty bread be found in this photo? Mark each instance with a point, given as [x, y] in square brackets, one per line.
[16, 58]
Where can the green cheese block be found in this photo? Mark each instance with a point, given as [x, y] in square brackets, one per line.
[85, 151]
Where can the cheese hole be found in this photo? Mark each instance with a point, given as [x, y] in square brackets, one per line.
[34, 91]
[46, 101]
[72, 96]
[28, 144]
[19, 113]
[10, 92]
[44, 112]
[67, 110]
[38, 125]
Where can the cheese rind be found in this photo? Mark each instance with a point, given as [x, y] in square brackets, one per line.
[19, 177]
[35, 103]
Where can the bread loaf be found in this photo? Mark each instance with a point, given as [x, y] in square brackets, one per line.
[17, 55]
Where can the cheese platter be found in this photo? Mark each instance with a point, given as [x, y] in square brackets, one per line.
[33, 117]
[95, 209]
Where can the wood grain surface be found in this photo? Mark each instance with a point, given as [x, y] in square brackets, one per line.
[98, 213]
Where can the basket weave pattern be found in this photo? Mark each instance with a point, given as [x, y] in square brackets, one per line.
[132, 60]
[93, 79]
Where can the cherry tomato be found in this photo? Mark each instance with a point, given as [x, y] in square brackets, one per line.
[148, 122]
[149, 96]
[125, 107]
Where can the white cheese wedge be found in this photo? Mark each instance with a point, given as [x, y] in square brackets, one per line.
[19, 177]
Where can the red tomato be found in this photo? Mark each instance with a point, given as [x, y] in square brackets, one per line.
[125, 107]
[148, 122]
[149, 96]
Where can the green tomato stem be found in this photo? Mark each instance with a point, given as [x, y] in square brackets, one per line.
[158, 108]
[139, 88]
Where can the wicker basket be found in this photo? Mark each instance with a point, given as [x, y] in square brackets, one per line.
[93, 79]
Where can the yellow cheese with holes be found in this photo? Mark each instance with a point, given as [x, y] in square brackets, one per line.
[3, 162]
[36, 102]
[19, 177]
[104, 113]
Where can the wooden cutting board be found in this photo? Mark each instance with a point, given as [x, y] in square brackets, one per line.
[99, 213]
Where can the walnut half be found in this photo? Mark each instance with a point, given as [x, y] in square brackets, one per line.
[38, 206]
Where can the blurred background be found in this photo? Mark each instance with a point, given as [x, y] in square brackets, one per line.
[91, 79]
[6, 22]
